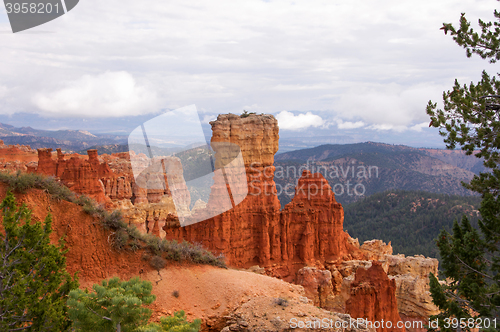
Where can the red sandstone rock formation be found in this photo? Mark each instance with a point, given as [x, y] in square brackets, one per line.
[21, 154]
[250, 233]
[317, 286]
[46, 165]
[110, 180]
[307, 232]
[312, 223]
[118, 188]
[373, 298]
[256, 232]
[80, 175]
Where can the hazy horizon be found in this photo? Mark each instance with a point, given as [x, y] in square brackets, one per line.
[352, 72]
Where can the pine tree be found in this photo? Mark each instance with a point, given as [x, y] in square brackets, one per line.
[33, 281]
[175, 323]
[113, 305]
[117, 305]
[471, 120]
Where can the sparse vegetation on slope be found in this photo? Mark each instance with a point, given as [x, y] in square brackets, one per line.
[123, 236]
[21, 182]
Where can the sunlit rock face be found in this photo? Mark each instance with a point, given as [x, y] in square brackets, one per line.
[304, 243]
[372, 296]
[250, 233]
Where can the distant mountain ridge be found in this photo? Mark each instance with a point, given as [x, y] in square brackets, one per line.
[456, 158]
[67, 140]
[397, 167]
[393, 166]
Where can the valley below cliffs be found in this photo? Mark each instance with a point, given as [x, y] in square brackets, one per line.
[299, 253]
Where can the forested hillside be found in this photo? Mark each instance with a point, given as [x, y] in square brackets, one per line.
[411, 220]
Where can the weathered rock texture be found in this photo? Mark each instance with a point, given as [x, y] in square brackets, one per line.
[317, 285]
[304, 243]
[372, 297]
[16, 157]
[250, 233]
[411, 275]
[109, 179]
[228, 297]
[312, 223]
[280, 314]
[83, 176]
[256, 232]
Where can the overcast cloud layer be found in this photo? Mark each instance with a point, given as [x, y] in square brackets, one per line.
[355, 64]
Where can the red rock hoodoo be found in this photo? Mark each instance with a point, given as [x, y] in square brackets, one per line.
[303, 243]
[307, 232]
[248, 234]
[256, 232]
[312, 223]
[83, 176]
[373, 298]
[110, 180]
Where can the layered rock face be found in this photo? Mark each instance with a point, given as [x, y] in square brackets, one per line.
[256, 232]
[312, 223]
[372, 296]
[16, 157]
[109, 180]
[83, 176]
[248, 234]
[411, 275]
[317, 285]
[304, 243]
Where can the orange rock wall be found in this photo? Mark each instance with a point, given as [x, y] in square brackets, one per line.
[83, 176]
[248, 234]
[256, 232]
[17, 153]
[91, 177]
[373, 298]
[312, 223]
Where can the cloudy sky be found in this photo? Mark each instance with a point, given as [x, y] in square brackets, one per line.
[360, 67]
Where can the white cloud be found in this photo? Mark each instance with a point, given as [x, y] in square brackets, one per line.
[419, 126]
[349, 125]
[388, 105]
[3, 91]
[388, 126]
[208, 118]
[287, 120]
[375, 63]
[111, 94]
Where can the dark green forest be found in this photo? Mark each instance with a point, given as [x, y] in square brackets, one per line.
[411, 220]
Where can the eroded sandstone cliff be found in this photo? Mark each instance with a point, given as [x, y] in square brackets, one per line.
[304, 243]
[250, 233]
[372, 296]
